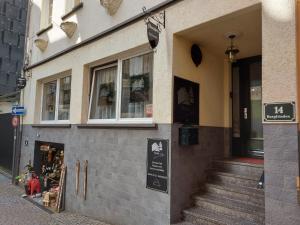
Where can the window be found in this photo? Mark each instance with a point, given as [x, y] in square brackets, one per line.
[104, 94]
[56, 100]
[71, 4]
[46, 14]
[123, 92]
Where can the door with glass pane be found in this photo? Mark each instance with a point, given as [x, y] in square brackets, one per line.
[247, 129]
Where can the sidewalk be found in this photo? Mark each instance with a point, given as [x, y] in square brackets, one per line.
[15, 210]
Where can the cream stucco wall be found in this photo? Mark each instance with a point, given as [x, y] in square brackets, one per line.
[5, 107]
[181, 16]
[210, 78]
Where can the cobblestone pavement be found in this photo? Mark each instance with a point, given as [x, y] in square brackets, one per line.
[14, 210]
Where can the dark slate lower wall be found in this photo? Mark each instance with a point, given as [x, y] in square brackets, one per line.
[116, 189]
[189, 164]
[281, 170]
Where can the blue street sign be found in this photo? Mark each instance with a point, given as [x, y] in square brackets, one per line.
[18, 111]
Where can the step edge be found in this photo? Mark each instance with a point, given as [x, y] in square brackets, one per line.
[219, 173]
[214, 220]
[218, 203]
[236, 191]
[240, 163]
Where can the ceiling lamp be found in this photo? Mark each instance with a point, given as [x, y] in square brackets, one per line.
[41, 44]
[232, 50]
[111, 6]
[69, 28]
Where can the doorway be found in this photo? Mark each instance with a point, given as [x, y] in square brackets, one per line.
[247, 129]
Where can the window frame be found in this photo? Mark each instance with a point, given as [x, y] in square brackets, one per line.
[46, 19]
[119, 119]
[57, 95]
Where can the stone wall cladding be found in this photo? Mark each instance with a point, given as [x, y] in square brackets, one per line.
[116, 189]
[189, 165]
[281, 170]
[12, 33]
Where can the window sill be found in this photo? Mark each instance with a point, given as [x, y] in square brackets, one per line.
[51, 125]
[44, 30]
[141, 126]
[75, 9]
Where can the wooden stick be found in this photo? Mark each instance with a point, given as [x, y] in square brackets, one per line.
[85, 179]
[77, 177]
[61, 188]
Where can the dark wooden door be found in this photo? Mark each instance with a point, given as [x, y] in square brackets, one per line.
[247, 129]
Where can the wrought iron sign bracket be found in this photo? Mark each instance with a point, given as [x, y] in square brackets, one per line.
[159, 19]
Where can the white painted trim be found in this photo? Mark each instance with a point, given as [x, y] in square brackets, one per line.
[56, 120]
[118, 119]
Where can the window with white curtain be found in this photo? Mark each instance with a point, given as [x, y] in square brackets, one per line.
[56, 100]
[103, 104]
[137, 82]
[46, 14]
[71, 4]
[123, 92]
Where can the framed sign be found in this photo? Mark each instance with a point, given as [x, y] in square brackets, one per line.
[157, 165]
[186, 101]
[279, 112]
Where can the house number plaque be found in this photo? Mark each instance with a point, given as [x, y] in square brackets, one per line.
[279, 112]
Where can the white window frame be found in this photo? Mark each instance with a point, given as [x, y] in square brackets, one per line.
[45, 14]
[69, 2]
[56, 120]
[118, 119]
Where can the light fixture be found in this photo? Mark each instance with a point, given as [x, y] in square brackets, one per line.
[232, 50]
[69, 28]
[41, 44]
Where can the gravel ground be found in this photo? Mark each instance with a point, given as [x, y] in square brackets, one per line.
[14, 210]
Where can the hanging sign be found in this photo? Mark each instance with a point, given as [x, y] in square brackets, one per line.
[153, 34]
[154, 24]
[279, 112]
[157, 165]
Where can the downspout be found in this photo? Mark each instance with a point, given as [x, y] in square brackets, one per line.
[298, 88]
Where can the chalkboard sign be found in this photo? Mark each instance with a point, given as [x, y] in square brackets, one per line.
[157, 165]
[279, 112]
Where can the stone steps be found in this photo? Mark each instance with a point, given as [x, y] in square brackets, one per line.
[231, 178]
[239, 168]
[201, 216]
[235, 193]
[230, 197]
[231, 207]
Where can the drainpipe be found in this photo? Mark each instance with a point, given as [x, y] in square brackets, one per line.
[19, 131]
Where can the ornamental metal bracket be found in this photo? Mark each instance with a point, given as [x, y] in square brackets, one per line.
[159, 19]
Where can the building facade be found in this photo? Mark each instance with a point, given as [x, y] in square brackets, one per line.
[12, 34]
[95, 87]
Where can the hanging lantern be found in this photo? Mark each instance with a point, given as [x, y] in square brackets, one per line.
[111, 6]
[232, 50]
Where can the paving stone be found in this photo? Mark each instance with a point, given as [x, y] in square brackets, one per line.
[14, 210]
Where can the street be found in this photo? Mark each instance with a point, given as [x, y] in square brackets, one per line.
[14, 210]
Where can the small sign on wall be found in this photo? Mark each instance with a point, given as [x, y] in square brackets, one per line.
[279, 112]
[157, 164]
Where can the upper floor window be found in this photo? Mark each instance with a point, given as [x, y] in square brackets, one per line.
[71, 4]
[56, 100]
[123, 92]
[46, 14]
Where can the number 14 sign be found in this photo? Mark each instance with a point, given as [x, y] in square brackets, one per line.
[279, 112]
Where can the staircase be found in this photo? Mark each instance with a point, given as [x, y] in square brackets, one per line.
[230, 197]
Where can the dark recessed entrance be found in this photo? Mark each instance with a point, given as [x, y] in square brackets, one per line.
[247, 129]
